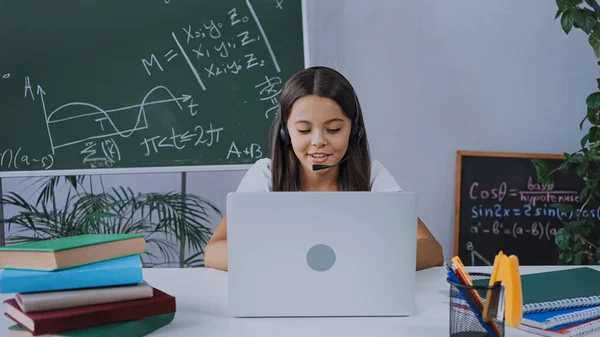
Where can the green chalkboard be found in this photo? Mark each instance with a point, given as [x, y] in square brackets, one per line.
[142, 85]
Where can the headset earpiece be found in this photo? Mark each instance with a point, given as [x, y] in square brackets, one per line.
[283, 135]
[285, 139]
[357, 132]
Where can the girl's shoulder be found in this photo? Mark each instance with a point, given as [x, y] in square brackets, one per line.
[257, 178]
[382, 179]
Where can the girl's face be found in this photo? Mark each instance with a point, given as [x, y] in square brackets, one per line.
[319, 131]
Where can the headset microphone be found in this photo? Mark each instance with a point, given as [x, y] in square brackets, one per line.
[317, 167]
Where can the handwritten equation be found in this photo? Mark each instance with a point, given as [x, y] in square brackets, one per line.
[537, 229]
[229, 44]
[18, 159]
[221, 48]
[535, 193]
[498, 211]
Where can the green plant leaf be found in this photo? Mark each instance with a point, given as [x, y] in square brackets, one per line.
[577, 258]
[563, 5]
[592, 155]
[583, 121]
[592, 116]
[594, 40]
[565, 257]
[566, 21]
[594, 134]
[593, 100]
[584, 140]
[562, 238]
[584, 19]
[542, 170]
[595, 6]
[563, 207]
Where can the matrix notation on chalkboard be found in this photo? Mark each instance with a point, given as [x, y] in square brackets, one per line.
[162, 85]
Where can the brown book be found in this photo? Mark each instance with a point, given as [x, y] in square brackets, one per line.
[67, 252]
[55, 321]
[52, 300]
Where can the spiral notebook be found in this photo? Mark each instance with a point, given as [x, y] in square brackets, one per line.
[560, 289]
[578, 329]
[551, 319]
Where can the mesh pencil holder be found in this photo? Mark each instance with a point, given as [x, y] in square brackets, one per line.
[464, 321]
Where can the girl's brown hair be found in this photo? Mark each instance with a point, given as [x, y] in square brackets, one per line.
[355, 167]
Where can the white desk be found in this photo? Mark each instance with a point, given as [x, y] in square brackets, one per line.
[202, 310]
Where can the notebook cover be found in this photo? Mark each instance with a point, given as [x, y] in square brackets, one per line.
[119, 271]
[54, 245]
[61, 320]
[567, 284]
[136, 328]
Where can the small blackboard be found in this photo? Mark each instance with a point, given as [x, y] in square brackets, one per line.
[500, 205]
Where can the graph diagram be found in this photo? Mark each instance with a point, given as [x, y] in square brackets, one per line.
[101, 123]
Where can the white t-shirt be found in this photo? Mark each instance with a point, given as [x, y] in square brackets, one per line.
[258, 178]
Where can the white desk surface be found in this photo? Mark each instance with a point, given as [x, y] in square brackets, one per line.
[201, 296]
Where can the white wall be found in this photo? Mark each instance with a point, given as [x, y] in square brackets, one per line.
[435, 77]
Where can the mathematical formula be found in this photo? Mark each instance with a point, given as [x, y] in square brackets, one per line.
[208, 49]
[545, 210]
[535, 193]
[18, 159]
[537, 229]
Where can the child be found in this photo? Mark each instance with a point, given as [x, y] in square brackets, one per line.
[319, 122]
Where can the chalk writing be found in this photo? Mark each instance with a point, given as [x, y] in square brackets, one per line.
[537, 229]
[17, 159]
[535, 192]
[528, 210]
[101, 121]
[98, 119]
[178, 140]
[268, 92]
[252, 151]
[104, 155]
[28, 90]
[233, 17]
[475, 255]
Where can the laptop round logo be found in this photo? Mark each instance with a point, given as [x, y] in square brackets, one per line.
[320, 257]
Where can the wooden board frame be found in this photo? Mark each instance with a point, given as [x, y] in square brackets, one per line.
[459, 156]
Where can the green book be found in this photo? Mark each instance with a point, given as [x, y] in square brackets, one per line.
[136, 328]
[68, 252]
[70, 242]
[560, 289]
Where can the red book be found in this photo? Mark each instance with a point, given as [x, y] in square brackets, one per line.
[54, 321]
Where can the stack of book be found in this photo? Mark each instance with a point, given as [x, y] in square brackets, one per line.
[87, 285]
[562, 302]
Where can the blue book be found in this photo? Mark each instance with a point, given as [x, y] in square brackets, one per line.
[119, 271]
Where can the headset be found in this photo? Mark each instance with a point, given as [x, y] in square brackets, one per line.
[356, 131]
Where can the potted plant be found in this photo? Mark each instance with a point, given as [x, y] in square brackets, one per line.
[575, 241]
[174, 225]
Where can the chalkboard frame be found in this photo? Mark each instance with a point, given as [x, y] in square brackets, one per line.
[458, 182]
[159, 169]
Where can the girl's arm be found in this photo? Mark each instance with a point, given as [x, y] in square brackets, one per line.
[215, 252]
[429, 250]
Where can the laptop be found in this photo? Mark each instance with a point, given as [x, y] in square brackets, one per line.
[299, 254]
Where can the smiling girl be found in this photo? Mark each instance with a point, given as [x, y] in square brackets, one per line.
[319, 122]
